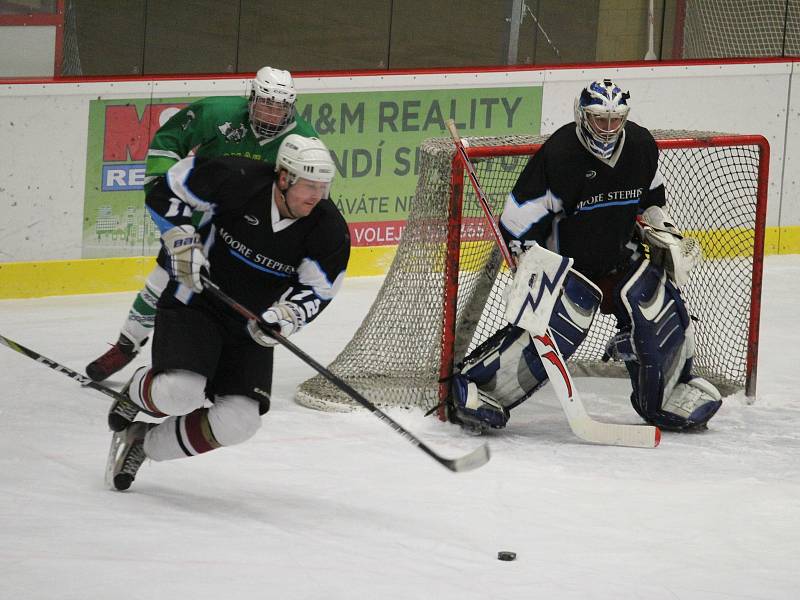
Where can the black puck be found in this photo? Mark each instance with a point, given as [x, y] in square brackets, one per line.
[506, 555]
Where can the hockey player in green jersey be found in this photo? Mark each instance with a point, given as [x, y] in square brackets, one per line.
[252, 127]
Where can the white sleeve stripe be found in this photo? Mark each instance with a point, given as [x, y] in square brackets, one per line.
[657, 180]
[519, 218]
[176, 178]
[184, 293]
[311, 274]
[164, 154]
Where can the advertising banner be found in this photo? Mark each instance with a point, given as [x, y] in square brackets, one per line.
[374, 138]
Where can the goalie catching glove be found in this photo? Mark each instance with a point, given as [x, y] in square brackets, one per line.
[676, 254]
[285, 318]
[186, 257]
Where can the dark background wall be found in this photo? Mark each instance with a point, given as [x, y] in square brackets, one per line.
[212, 36]
[133, 37]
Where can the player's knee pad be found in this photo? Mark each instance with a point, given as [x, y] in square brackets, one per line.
[656, 342]
[178, 392]
[234, 419]
[507, 367]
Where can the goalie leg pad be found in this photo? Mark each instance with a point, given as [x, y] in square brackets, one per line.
[696, 401]
[507, 368]
[474, 409]
[533, 293]
[662, 341]
[574, 312]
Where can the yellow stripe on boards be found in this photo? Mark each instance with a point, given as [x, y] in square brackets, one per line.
[103, 275]
[788, 240]
[370, 260]
[733, 243]
[80, 276]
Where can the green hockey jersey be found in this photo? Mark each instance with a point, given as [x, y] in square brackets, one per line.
[212, 127]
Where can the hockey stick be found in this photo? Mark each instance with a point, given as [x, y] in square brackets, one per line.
[582, 425]
[49, 362]
[117, 438]
[473, 460]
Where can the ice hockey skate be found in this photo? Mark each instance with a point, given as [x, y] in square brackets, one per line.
[126, 455]
[115, 359]
[123, 410]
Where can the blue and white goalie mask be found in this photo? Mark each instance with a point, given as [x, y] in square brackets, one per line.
[601, 110]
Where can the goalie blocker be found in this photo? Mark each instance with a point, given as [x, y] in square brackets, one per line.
[656, 341]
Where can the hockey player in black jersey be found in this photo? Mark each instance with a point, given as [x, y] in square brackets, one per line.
[593, 193]
[268, 236]
[215, 126]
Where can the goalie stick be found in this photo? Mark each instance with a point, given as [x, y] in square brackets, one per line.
[49, 362]
[582, 425]
[473, 460]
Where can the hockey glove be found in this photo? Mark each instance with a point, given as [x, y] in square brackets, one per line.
[285, 318]
[186, 256]
[676, 254]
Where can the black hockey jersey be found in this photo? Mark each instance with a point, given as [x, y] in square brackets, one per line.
[571, 202]
[255, 255]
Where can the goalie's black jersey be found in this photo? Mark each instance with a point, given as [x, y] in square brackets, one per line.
[568, 200]
[255, 256]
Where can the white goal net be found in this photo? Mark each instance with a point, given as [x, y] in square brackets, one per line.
[738, 28]
[442, 294]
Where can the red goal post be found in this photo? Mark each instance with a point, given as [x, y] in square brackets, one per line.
[442, 294]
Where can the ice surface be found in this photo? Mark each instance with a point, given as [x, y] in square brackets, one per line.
[322, 505]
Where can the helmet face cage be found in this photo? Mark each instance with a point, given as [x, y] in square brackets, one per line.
[269, 117]
[272, 102]
[601, 111]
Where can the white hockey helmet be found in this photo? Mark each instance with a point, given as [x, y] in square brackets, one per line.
[305, 158]
[601, 110]
[272, 102]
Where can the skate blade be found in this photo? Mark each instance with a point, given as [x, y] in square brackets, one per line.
[113, 456]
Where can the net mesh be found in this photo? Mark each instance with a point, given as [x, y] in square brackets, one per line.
[71, 61]
[395, 357]
[741, 28]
